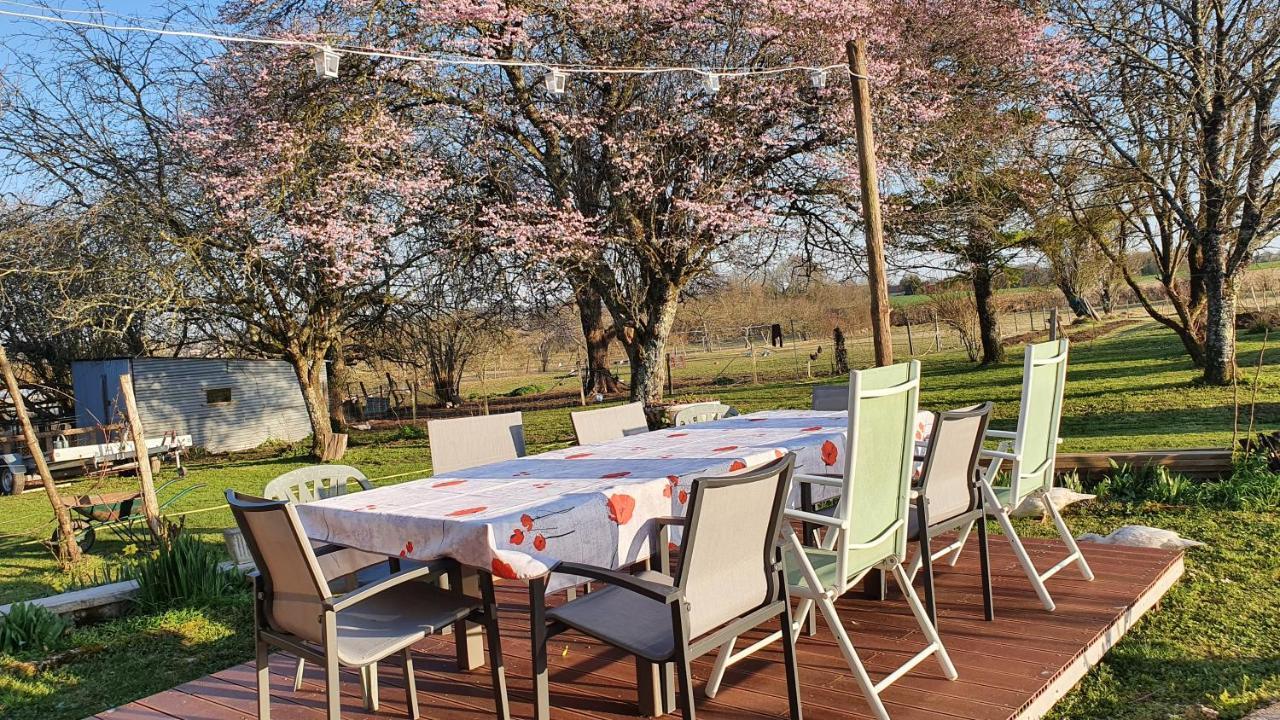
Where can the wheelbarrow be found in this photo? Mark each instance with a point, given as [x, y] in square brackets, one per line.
[121, 511]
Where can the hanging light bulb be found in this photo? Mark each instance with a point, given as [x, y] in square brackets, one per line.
[818, 78]
[326, 62]
[555, 81]
[711, 82]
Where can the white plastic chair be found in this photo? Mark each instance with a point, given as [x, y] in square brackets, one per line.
[703, 412]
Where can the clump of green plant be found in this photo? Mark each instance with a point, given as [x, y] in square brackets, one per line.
[28, 627]
[409, 432]
[184, 571]
[525, 390]
[1252, 485]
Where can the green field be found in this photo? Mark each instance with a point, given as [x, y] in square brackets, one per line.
[1213, 641]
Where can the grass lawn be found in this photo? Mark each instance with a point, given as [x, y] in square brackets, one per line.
[1214, 642]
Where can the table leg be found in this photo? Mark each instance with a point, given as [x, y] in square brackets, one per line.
[468, 637]
[538, 638]
[655, 688]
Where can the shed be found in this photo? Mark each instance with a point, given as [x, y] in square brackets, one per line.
[224, 405]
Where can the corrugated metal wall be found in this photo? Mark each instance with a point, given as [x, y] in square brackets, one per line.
[266, 402]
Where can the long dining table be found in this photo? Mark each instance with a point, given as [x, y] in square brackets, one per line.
[596, 504]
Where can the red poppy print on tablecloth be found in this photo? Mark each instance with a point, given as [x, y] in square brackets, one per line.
[468, 511]
[683, 497]
[778, 453]
[829, 453]
[672, 481]
[577, 456]
[616, 475]
[408, 549]
[726, 448]
[815, 428]
[756, 419]
[676, 435]
[621, 508]
[517, 537]
[448, 483]
[540, 543]
[502, 569]
[737, 465]
[527, 521]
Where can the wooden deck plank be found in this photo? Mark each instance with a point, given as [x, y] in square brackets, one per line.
[1010, 669]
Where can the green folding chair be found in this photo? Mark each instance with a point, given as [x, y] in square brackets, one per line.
[868, 529]
[1031, 452]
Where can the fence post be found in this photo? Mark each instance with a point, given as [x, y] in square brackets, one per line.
[671, 382]
[1053, 324]
[150, 508]
[1031, 315]
[911, 348]
[937, 333]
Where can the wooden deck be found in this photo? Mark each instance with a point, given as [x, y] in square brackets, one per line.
[1011, 669]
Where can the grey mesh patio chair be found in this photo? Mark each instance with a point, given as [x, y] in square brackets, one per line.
[461, 443]
[831, 397]
[703, 412]
[730, 580]
[343, 568]
[295, 611]
[611, 423]
[1031, 452]
[867, 530]
[949, 498]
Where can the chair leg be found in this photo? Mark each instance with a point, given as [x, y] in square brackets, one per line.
[930, 601]
[789, 656]
[497, 671]
[851, 657]
[722, 664]
[1028, 567]
[410, 684]
[960, 543]
[369, 683]
[263, 666]
[332, 686]
[984, 557]
[685, 678]
[1073, 549]
[926, 627]
[297, 676]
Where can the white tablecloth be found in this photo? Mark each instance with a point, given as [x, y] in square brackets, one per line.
[594, 504]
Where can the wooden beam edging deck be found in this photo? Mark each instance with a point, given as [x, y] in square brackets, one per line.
[1092, 654]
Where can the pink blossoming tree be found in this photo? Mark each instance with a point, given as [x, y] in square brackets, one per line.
[314, 192]
[633, 186]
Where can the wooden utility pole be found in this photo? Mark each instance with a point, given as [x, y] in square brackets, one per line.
[149, 505]
[870, 186]
[69, 550]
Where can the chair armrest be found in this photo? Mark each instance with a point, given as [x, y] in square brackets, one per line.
[344, 601]
[1001, 434]
[998, 455]
[824, 480]
[671, 520]
[814, 518]
[660, 593]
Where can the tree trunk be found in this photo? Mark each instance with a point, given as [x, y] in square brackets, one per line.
[1078, 303]
[336, 375]
[311, 374]
[597, 336]
[1220, 327]
[988, 320]
[648, 345]
[68, 548]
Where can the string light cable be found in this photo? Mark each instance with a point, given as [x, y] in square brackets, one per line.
[327, 55]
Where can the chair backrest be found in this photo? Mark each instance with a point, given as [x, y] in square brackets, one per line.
[703, 412]
[950, 466]
[831, 397]
[293, 582]
[314, 482]
[730, 543]
[461, 443]
[878, 460]
[1044, 377]
[611, 423]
